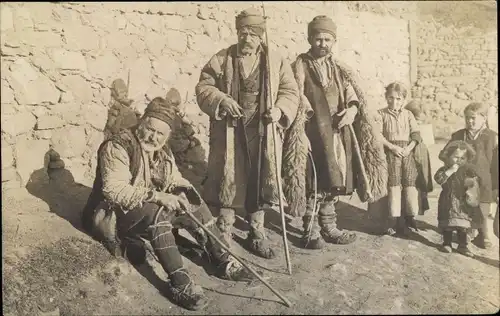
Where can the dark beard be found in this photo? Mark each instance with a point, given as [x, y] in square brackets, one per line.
[320, 52]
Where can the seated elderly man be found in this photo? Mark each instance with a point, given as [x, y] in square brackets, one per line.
[136, 175]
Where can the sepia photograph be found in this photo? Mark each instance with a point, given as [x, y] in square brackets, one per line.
[249, 157]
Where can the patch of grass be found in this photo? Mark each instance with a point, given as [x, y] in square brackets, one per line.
[49, 275]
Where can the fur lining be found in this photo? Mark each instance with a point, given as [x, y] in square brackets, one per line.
[297, 145]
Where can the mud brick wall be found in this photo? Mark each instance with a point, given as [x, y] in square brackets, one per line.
[58, 61]
[457, 61]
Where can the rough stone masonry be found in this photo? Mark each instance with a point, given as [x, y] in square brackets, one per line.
[59, 59]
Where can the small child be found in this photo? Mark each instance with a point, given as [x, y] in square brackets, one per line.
[458, 200]
[400, 136]
[483, 141]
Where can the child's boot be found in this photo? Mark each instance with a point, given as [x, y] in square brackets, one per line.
[447, 236]
[462, 244]
[411, 223]
[401, 228]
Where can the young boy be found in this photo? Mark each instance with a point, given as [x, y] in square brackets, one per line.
[484, 141]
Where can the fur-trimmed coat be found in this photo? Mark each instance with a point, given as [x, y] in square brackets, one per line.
[214, 86]
[367, 131]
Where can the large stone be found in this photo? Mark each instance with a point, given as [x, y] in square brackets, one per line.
[176, 41]
[155, 44]
[43, 134]
[7, 95]
[79, 87]
[96, 115]
[49, 122]
[9, 174]
[166, 68]
[67, 60]
[7, 156]
[140, 77]
[470, 70]
[80, 37]
[6, 20]
[23, 72]
[468, 87]
[32, 39]
[17, 124]
[117, 41]
[104, 66]
[172, 22]
[152, 22]
[8, 108]
[201, 43]
[192, 23]
[78, 168]
[22, 19]
[30, 156]
[69, 141]
[71, 113]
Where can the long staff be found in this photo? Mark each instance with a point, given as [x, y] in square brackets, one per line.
[278, 171]
[206, 230]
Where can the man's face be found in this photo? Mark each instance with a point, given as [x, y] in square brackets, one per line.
[395, 100]
[248, 41]
[153, 134]
[474, 121]
[459, 157]
[321, 44]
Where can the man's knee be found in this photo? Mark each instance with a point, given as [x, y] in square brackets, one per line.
[225, 219]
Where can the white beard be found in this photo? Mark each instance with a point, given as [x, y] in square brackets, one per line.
[150, 148]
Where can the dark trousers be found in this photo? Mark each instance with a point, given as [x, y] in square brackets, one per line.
[140, 222]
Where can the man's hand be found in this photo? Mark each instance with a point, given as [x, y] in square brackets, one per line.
[349, 115]
[230, 107]
[171, 202]
[273, 115]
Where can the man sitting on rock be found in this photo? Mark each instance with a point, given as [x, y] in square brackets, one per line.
[136, 176]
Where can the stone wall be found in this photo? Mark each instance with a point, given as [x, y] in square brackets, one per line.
[59, 59]
[457, 61]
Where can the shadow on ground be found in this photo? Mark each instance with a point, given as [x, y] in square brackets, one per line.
[57, 188]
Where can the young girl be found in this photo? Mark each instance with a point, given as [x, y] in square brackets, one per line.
[400, 136]
[459, 199]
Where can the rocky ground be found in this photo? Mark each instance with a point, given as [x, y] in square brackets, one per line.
[51, 268]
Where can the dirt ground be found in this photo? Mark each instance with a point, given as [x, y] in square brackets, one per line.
[52, 268]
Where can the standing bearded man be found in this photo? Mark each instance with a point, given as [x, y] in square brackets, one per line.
[330, 101]
[233, 91]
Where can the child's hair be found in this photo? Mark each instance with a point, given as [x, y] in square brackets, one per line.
[477, 107]
[396, 87]
[414, 108]
[453, 146]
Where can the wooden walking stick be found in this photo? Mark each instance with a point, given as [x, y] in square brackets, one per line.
[206, 230]
[361, 165]
[273, 127]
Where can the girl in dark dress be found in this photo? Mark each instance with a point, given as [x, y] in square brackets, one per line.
[459, 200]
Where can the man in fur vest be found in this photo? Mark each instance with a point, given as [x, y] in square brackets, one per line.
[136, 175]
[331, 100]
[232, 91]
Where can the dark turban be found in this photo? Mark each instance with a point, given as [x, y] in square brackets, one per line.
[322, 24]
[252, 19]
[164, 109]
